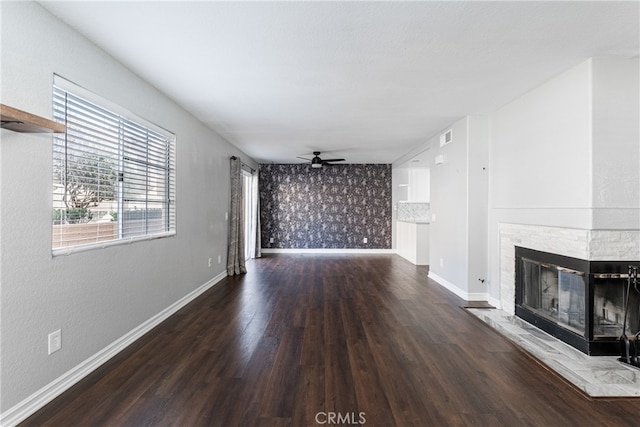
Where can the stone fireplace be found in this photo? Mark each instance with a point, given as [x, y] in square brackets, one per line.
[583, 274]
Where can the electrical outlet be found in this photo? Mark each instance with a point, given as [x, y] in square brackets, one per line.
[365, 240]
[226, 216]
[55, 341]
[441, 262]
[219, 259]
[209, 262]
[271, 240]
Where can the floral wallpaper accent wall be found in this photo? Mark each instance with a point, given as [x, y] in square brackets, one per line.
[333, 207]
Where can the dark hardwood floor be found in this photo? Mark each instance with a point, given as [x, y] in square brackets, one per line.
[303, 336]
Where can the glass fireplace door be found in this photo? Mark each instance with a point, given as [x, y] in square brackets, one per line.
[555, 293]
[571, 300]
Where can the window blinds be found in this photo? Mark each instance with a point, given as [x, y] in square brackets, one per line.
[113, 176]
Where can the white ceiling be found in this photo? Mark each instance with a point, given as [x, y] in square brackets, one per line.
[368, 81]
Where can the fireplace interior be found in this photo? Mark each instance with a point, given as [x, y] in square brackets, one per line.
[580, 302]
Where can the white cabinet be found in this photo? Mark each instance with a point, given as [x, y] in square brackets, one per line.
[419, 185]
[413, 241]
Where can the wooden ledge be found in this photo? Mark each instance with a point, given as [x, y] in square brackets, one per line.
[21, 121]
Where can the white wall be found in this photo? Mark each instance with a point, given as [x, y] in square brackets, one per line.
[539, 159]
[458, 198]
[94, 297]
[616, 143]
[449, 203]
[459, 201]
[478, 176]
[566, 154]
[540, 146]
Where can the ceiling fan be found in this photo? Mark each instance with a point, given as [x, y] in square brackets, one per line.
[317, 162]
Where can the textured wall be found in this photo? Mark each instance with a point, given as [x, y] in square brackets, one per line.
[334, 207]
[99, 296]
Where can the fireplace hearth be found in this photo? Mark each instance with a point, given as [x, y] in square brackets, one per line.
[579, 302]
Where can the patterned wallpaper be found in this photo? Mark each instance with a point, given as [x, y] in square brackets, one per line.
[333, 207]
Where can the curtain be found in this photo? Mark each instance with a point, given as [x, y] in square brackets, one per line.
[235, 253]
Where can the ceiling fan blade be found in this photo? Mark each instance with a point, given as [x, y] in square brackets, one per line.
[303, 158]
[332, 160]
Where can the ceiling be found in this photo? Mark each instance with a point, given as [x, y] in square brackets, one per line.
[368, 81]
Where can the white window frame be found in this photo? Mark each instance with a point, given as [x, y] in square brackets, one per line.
[142, 154]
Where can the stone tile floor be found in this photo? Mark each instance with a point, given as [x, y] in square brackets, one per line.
[597, 376]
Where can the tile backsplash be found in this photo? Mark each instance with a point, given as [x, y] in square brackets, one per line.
[413, 212]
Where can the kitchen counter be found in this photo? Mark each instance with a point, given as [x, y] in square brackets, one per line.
[413, 241]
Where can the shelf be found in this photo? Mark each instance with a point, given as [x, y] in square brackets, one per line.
[21, 121]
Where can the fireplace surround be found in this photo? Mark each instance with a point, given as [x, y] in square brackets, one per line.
[579, 302]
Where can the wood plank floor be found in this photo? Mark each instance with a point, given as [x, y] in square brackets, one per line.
[301, 336]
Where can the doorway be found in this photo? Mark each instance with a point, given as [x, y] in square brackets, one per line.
[250, 202]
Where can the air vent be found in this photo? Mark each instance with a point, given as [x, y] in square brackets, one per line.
[446, 138]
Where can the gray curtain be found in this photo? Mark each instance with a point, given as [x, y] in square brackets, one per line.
[235, 254]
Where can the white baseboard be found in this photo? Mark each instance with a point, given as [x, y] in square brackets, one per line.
[328, 251]
[46, 394]
[467, 296]
[477, 296]
[495, 302]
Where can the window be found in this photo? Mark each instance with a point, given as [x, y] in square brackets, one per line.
[113, 174]
[250, 212]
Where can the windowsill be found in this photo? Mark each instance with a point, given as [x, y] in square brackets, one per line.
[102, 245]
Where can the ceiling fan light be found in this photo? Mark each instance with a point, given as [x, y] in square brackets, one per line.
[316, 162]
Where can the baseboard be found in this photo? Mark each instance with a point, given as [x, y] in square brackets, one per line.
[477, 296]
[327, 251]
[46, 394]
[494, 302]
[467, 296]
